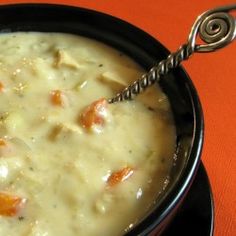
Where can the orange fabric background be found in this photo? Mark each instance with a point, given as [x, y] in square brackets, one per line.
[214, 76]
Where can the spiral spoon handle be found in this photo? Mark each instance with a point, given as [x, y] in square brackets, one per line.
[216, 28]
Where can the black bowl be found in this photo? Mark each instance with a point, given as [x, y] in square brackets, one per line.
[146, 51]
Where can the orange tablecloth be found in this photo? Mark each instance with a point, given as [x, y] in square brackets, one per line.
[214, 76]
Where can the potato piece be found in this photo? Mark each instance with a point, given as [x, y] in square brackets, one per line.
[113, 81]
[64, 59]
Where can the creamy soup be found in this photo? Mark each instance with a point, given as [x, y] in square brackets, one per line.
[71, 164]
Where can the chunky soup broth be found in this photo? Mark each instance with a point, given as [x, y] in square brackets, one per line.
[71, 164]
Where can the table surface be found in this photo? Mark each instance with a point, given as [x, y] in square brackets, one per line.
[214, 76]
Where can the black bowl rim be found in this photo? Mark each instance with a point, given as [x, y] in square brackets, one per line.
[181, 187]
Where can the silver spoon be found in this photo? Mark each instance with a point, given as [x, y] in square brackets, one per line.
[216, 28]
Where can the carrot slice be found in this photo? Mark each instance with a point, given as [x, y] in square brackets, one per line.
[56, 98]
[120, 176]
[10, 205]
[94, 114]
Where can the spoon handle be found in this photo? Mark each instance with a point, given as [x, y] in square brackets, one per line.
[216, 28]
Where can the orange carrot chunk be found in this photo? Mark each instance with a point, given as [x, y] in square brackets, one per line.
[94, 114]
[120, 176]
[56, 98]
[10, 205]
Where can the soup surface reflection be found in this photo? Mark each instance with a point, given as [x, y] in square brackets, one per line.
[71, 164]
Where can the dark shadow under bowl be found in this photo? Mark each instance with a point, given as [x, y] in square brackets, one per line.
[146, 51]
